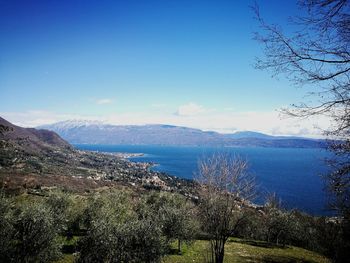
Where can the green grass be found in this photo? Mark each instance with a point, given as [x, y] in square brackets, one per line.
[238, 250]
[67, 258]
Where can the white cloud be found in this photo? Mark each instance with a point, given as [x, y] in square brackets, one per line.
[104, 101]
[269, 122]
[33, 118]
[190, 109]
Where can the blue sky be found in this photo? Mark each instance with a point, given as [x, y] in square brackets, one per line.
[133, 62]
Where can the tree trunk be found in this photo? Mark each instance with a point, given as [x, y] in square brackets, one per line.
[179, 246]
[219, 251]
[278, 236]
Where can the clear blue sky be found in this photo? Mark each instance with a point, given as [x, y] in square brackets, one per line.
[136, 58]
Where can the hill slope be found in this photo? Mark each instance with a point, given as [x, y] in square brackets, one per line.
[40, 156]
[29, 139]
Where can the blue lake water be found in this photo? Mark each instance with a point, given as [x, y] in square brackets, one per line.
[292, 173]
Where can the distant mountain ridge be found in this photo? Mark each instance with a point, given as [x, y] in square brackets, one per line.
[86, 132]
[250, 134]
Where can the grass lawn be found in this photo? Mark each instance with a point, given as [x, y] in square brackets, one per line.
[238, 250]
[68, 258]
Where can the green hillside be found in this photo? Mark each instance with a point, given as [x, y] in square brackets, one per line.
[238, 250]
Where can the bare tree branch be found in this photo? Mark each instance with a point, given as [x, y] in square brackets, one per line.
[226, 187]
[318, 55]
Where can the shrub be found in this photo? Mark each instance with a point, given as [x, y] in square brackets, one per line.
[35, 234]
[116, 234]
[7, 231]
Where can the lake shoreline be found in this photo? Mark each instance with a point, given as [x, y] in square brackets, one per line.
[293, 173]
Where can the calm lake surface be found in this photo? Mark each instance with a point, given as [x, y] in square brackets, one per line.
[293, 173]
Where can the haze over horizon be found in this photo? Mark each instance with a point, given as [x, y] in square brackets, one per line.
[184, 63]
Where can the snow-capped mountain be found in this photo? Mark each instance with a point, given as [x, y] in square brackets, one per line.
[69, 124]
[96, 132]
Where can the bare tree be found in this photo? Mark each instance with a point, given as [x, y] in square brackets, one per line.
[318, 55]
[226, 187]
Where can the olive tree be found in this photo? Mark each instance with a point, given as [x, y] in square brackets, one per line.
[226, 187]
[7, 231]
[36, 235]
[27, 231]
[59, 202]
[115, 232]
[175, 215]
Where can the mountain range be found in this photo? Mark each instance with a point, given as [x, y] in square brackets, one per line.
[92, 132]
